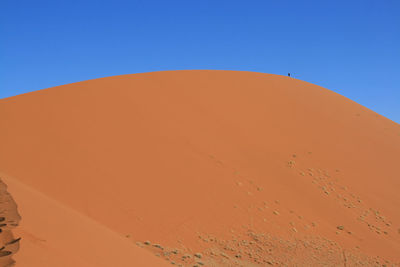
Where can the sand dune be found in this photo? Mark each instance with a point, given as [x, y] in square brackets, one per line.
[55, 235]
[201, 167]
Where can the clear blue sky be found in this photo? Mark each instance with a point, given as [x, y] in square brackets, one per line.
[349, 46]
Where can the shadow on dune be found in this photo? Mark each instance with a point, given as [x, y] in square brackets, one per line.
[9, 219]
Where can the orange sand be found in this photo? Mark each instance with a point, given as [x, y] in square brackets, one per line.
[244, 168]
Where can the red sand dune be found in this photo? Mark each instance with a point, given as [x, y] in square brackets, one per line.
[219, 168]
[61, 236]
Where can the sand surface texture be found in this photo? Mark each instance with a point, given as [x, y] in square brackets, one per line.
[9, 219]
[213, 168]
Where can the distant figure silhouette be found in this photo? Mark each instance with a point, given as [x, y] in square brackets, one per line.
[288, 74]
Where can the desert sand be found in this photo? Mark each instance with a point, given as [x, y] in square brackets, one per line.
[213, 168]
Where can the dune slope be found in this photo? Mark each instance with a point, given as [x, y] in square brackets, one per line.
[55, 235]
[242, 168]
